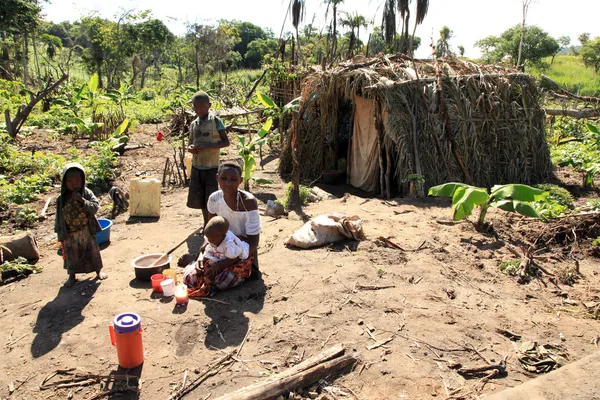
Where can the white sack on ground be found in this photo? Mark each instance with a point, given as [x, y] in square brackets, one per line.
[326, 229]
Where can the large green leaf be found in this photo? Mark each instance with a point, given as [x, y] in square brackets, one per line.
[518, 192]
[292, 105]
[249, 167]
[266, 100]
[121, 128]
[80, 123]
[242, 140]
[93, 83]
[80, 92]
[593, 128]
[446, 189]
[517, 206]
[465, 198]
[264, 131]
[60, 102]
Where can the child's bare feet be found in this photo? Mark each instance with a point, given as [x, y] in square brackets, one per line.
[101, 276]
[71, 281]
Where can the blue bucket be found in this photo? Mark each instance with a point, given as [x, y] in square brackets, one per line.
[104, 235]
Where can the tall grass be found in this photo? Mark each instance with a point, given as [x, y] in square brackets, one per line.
[570, 73]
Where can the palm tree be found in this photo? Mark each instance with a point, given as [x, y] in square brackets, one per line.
[422, 9]
[354, 22]
[442, 49]
[298, 8]
[334, 5]
[390, 10]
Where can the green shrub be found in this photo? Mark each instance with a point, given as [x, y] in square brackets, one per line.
[558, 194]
[304, 193]
[27, 217]
[510, 267]
[24, 190]
[147, 94]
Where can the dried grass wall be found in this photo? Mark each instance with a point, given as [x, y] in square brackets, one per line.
[496, 122]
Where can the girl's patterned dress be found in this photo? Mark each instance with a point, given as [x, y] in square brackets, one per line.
[81, 253]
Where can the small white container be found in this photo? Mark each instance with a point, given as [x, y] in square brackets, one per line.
[168, 287]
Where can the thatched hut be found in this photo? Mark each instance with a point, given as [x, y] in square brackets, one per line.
[387, 119]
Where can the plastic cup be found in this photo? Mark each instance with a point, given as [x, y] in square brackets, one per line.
[168, 287]
[156, 280]
[170, 274]
[181, 295]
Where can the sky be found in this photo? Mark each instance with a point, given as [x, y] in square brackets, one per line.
[470, 20]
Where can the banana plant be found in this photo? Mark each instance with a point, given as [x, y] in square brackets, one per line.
[121, 96]
[275, 111]
[515, 198]
[246, 151]
[70, 99]
[93, 94]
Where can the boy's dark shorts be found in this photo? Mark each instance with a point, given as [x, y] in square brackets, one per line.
[203, 183]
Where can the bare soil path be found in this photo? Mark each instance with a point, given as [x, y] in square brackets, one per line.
[444, 299]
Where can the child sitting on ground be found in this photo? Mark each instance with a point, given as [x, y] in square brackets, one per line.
[222, 243]
[76, 225]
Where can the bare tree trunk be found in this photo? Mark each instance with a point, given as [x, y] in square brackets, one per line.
[334, 44]
[197, 68]
[13, 126]
[35, 58]
[526, 4]
[25, 60]
[99, 72]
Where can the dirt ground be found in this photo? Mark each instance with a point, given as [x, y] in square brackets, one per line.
[444, 300]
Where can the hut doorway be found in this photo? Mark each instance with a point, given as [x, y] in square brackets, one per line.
[363, 163]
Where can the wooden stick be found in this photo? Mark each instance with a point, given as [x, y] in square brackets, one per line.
[212, 370]
[163, 258]
[239, 350]
[368, 287]
[285, 381]
[383, 342]
[390, 243]
[45, 209]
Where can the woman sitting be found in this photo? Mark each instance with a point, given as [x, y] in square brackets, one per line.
[240, 209]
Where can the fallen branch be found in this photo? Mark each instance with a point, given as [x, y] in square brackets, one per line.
[368, 287]
[300, 376]
[563, 92]
[211, 371]
[379, 344]
[45, 209]
[390, 243]
[579, 114]
[512, 336]
[477, 371]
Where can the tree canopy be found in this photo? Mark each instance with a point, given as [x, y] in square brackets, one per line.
[537, 45]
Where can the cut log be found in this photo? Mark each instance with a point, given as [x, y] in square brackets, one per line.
[579, 114]
[287, 380]
[21, 245]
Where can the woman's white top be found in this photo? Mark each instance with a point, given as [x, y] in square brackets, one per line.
[241, 223]
[231, 247]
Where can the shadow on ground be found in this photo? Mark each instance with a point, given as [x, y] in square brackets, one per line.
[123, 383]
[61, 315]
[229, 325]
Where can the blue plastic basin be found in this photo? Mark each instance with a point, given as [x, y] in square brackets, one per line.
[104, 235]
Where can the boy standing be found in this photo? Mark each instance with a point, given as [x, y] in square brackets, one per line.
[207, 137]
